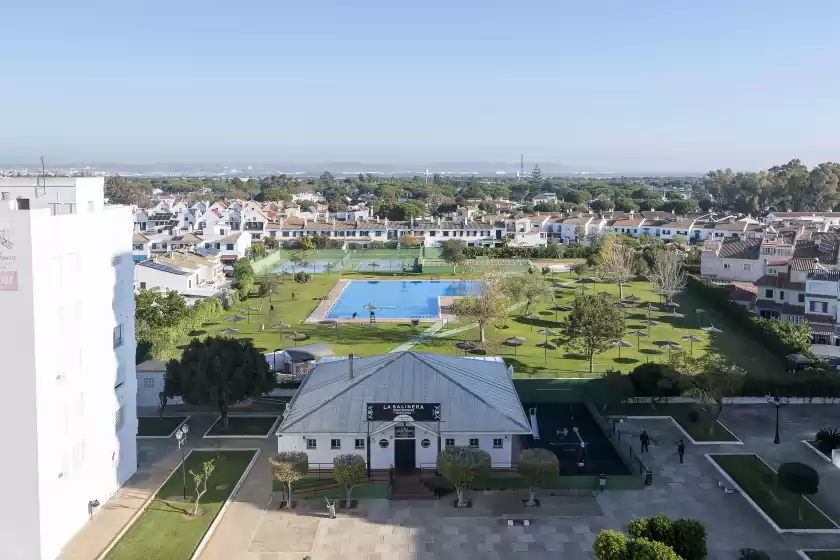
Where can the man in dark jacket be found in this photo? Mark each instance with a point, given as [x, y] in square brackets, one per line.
[645, 439]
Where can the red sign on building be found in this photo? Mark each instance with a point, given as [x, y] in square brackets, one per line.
[8, 280]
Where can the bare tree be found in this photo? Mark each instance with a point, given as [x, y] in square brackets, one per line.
[616, 260]
[486, 300]
[667, 274]
[200, 480]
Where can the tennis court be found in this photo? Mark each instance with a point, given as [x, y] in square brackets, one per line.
[568, 429]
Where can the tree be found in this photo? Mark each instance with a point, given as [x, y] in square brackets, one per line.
[410, 241]
[795, 338]
[268, 286]
[348, 471]
[118, 191]
[579, 269]
[540, 467]
[595, 321]
[453, 252]
[666, 274]
[218, 371]
[306, 244]
[616, 260]
[799, 479]
[610, 545]
[257, 249]
[289, 467]
[535, 290]
[646, 549]
[299, 259]
[200, 480]
[271, 243]
[242, 268]
[613, 388]
[715, 382]
[461, 466]
[275, 195]
[486, 300]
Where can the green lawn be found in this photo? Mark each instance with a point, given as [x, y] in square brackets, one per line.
[310, 488]
[702, 430]
[164, 531]
[148, 426]
[757, 480]
[244, 426]
[529, 359]
[823, 554]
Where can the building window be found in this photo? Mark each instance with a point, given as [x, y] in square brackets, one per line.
[812, 306]
[230, 246]
[311, 444]
[335, 444]
[473, 442]
[383, 443]
[142, 285]
[781, 295]
[425, 444]
[747, 267]
[768, 294]
[138, 247]
[727, 266]
[800, 298]
[148, 382]
[498, 443]
[824, 306]
[449, 442]
[118, 336]
[360, 444]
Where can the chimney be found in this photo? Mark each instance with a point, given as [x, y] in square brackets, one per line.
[351, 366]
[305, 221]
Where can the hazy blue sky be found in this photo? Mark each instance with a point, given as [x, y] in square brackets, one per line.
[619, 85]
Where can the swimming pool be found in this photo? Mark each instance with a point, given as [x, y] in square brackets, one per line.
[396, 299]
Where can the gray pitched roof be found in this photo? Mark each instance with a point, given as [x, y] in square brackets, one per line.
[476, 396]
[740, 249]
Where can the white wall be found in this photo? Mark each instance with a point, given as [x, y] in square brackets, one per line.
[75, 285]
[383, 458]
[165, 281]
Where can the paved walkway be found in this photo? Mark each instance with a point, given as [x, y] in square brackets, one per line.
[256, 529]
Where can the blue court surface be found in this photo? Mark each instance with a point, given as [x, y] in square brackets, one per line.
[395, 299]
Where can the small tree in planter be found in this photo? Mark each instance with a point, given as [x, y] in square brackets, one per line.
[289, 467]
[827, 440]
[349, 470]
[461, 466]
[799, 479]
[200, 480]
[540, 467]
[610, 545]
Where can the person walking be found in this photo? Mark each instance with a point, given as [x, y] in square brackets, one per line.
[645, 439]
[680, 450]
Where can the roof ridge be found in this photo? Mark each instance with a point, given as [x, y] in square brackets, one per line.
[356, 380]
[418, 355]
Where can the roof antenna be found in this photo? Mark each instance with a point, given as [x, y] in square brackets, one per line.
[41, 189]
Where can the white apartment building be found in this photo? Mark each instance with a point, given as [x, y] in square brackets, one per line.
[68, 347]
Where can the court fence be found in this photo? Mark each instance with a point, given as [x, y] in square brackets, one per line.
[623, 444]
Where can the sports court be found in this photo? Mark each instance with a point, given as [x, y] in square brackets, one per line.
[569, 430]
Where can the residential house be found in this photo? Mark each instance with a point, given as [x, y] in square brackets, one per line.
[140, 247]
[544, 198]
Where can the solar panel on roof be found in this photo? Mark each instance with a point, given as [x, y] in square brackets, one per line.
[163, 268]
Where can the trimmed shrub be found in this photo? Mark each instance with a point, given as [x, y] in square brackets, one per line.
[610, 545]
[302, 277]
[688, 539]
[638, 528]
[646, 549]
[349, 470]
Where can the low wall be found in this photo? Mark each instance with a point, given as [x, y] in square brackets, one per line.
[269, 263]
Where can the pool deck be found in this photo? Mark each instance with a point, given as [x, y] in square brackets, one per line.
[323, 308]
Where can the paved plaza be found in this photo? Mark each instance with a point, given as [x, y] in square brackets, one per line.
[254, 528]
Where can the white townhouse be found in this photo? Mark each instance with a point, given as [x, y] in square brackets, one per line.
[545, 197]
[527, 233]
[398, 410]
[184, 272]
[831, 218]
[66, 271]
[668, 229]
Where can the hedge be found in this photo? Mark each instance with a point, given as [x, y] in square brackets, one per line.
[720, 298]
[551, 251]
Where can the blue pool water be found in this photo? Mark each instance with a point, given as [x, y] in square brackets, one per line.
[396, 299]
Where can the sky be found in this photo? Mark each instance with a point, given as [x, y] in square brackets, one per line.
[597, 85]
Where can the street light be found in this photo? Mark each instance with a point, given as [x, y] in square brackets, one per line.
[181, 436]
[778, 402]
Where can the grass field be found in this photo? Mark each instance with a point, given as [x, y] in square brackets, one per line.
[701, 430]
[530, 359]
[294, 302]
[757, 480]
[164, 531]
[154, 426]
[823, 554]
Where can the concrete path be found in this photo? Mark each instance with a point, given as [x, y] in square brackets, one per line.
[565, 526]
